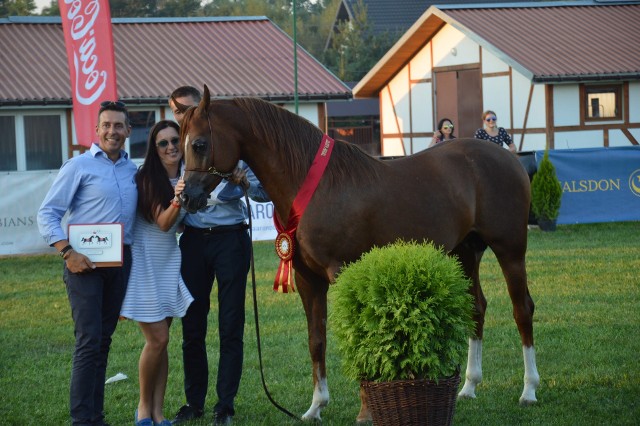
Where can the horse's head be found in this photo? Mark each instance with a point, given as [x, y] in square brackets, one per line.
[208, 155]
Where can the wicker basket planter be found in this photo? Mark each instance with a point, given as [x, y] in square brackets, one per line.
[412, 402]
[402, 315]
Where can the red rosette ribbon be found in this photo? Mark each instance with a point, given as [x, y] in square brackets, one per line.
[285, 241]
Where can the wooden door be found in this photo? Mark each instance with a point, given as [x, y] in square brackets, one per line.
[459, 97]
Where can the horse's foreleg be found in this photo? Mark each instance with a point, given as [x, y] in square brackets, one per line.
[314, 300]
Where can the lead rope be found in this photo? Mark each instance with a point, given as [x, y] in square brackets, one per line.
[255, 314]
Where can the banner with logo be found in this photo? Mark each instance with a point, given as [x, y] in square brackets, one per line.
[92, 68]
[598, 184]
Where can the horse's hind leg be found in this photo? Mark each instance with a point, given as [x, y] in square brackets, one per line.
[513, 267]
[469, 253]
[314, 299]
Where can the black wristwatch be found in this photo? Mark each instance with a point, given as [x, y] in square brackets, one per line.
[65, 250]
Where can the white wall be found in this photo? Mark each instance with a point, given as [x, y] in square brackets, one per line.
[496, 97]
[578, 139]
[492, 64]
[449, 38]
[421, 90]
[306, 110]
[566, 105]
[421, 108]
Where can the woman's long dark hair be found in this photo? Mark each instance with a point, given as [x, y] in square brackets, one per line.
[154, 188]
[440, 123]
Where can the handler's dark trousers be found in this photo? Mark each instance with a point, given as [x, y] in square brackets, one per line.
[223, 254]
[95, 299]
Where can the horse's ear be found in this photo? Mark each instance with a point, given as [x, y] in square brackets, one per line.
[178, 105]
[206, 98]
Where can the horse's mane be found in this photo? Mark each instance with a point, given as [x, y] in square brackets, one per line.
[297, 141]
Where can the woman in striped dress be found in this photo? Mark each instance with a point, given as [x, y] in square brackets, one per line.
[156, 292]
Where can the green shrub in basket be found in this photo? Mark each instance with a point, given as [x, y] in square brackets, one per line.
[402, 312]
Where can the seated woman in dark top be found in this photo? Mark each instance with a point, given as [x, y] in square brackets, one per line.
[493, 133]
[444, 132]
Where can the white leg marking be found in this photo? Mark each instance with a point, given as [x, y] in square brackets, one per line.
[320, 399]
[473, 375]
[531, 376]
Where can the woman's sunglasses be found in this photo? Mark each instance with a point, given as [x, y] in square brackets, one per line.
[165, 143]
[447, 127]
[490, 119]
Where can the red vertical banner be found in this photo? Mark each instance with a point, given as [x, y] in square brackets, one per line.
[92, 66]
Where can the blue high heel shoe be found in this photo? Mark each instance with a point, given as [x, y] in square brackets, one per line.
[165, 422]
[143, 422]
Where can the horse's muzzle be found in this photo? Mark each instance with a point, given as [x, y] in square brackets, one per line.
[192, 204]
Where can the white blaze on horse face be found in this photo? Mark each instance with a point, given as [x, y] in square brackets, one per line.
[320, 399]
[186, 143]
[531, 376]
[473, 375]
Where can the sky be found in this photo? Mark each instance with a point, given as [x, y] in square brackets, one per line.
[42, 3]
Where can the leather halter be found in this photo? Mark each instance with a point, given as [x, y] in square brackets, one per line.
[212, 169]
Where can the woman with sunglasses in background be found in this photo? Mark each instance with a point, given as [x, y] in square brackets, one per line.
[156, 291]
[444, 132]
[493, 133]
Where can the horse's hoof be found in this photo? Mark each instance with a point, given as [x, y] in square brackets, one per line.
[311, 418]
[363, 421]
[466, 395]
[527, 402]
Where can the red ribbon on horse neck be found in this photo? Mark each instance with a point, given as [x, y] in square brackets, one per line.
[285, 241]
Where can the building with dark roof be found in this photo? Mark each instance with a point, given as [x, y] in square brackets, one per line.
[391, 16]
[558, 75]
[238, 56]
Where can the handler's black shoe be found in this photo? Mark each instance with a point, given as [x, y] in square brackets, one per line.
[221, 418]
[187, 413]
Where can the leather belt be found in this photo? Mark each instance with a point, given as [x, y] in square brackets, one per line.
[214, 230]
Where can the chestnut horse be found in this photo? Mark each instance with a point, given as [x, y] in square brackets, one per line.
[463, 195]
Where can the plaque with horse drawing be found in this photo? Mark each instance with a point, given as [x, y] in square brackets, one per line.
[100, 242]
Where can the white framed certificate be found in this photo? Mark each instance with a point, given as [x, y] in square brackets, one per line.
[100, 242]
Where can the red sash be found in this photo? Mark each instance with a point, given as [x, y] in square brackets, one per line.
[285, 241]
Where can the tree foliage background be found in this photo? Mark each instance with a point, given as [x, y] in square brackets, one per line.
[350, 53]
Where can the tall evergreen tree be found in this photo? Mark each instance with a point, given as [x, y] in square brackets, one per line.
[355, 49]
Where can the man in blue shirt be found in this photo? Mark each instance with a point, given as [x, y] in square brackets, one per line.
[215, 245]
[95, 187]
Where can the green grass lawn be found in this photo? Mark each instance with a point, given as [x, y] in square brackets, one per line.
[584, 279]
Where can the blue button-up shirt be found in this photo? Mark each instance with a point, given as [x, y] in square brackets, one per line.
[93, 189]
[226, 205]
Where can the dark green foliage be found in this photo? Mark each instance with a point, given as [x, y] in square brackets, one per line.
[402, 312]
[16, 8]
[354, 48]
[546, 191]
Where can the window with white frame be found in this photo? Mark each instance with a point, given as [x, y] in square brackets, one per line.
[31, 141]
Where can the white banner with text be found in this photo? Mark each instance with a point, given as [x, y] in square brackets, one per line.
[24, 192]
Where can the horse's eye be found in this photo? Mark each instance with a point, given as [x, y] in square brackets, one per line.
[200, 146]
